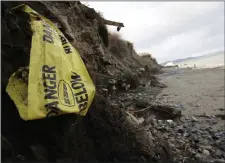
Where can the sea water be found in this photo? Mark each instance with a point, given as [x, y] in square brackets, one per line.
[212, 61]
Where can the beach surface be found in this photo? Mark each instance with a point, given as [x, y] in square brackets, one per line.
[197, 91]
[199, 134]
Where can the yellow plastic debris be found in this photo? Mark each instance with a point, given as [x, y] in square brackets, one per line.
[58, 81]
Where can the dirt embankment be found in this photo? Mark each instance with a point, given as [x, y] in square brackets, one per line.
[105, 133]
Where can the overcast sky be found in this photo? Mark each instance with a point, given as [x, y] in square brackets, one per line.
[168, 30]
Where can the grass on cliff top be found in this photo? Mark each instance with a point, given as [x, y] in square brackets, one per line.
[119, 46]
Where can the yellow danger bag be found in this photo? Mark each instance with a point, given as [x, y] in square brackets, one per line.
[58, 81]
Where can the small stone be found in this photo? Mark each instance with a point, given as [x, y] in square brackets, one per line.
[129, 97]
[160, 121]
[186, 125]
[194, 118]
[204, 142]
[215, 137]
[204, 136]
[219, 153]
[214, 122]
[206, 152]
[204, 128]
[187, 117]
[154, 132]
[172, 145]
[193, 130]
[186, 135]
[169, 121]
[218, 142]
[195, 138]
[105, 90]
[180, 129]
[127, 86]
[208, 147]
[179, 134]
[220, 134]
[198, 156]
[213, 130]
[222, 146]
[131, 118]
[141, 120]
[114, 88]
[151, 96]
[200, 150]
[172, 139]
[172, 125]
[112, 81]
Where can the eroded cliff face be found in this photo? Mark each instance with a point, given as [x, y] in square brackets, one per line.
[104, 134]
[102, 53]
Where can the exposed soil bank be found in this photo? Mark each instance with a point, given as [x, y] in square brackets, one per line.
[106, 132]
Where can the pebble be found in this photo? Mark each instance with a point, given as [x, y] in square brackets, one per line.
[217, 142]
[206, 152]
[114, 88]
[180, 129]
[179, 134]
[213, 131]
[186, 125]
[194, 118]
[186, 135]
[195, 138]
[172, 145]
[200, 150]
[105, 90]
[208, 147]
[219, 153]
[193, 130]
[204, 135]
[204, 142]
[170, 121]
[112, 81]
[198, 156]
[220, 134]
[214, 122]
[141, 120]
[187, 117]
[129, 97]
[222, 146]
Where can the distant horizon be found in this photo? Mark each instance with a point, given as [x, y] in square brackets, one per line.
[196, 56]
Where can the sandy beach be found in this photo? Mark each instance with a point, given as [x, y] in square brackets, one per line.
[200, 131]
[197, 91]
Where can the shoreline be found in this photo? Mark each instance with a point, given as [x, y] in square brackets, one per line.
[195, 86]
[199, 134]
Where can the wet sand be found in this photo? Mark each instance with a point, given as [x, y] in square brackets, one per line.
[197, 91]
